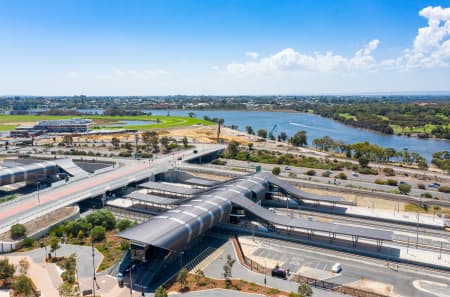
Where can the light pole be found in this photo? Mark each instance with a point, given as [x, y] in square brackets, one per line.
[38, 188]
[94, 278]
[265, 272]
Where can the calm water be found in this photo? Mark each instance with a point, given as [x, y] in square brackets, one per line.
[316, 127]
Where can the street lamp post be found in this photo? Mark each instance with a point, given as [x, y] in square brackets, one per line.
[38, 188]
[94, 278]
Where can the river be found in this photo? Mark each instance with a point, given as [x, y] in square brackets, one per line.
[316, 127]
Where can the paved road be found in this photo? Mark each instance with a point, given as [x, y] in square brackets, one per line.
[29, 208]
[354, 269]
[215, 270]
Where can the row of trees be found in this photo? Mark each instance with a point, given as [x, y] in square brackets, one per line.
[152, 143]
[381, 115]
[372, 152]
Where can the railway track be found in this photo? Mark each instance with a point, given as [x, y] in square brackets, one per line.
[372, 223]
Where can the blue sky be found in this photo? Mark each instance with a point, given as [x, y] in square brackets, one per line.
[167, 47]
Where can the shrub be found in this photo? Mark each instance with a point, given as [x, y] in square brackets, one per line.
[28, 242]
[392, 182]
[219, 162]
[444, 189]
[292, 174]
[380, 181]
[23, 285]
[276, 170]
[6, 269]
[18, 230]
[310, 172]
[342, 175]
[326, 174]
[404, 188]
[123, 224]
[421, 186]
[367, 170]
[426, 195]
[389, 171]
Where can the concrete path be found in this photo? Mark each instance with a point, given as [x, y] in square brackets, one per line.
[83, 254]
[45, 276]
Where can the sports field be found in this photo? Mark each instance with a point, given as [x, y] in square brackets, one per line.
[10, 122]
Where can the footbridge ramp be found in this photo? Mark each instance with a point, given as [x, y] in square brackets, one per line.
[309, 226]
[71, 168]
[296, 193]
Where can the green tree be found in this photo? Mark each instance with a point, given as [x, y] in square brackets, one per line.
[23, 286]
[191, 114]
[250, 130]
[363, 161]
[262, 133]
[115, 142]
[276, 170]
[18, 231]
[404, 188]
[102, 218]
[299, 139]
[54, 244]
[233, 148]
[185, 142]
[283, 136]
[305, 290]
[165, 143]
[6, 269]
[98, 233]
[227, 271]
[182, 277]
[67, 140]
[161, 292]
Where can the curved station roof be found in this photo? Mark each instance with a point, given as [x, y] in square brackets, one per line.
[174, 229]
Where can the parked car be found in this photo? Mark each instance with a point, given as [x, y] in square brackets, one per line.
[355, 174]
[287, 168]
[434, 185]
[336, 268]
[402, 183]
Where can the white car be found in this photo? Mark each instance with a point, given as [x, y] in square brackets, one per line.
[336, 268]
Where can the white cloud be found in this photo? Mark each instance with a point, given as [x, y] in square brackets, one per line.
[432, 45]
[253, 55]
[431, 49]
[117, 73]
[289, 60]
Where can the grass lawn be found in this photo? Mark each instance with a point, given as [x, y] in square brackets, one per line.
[427, 129]
[347, 116]
[9, 122]
[385, 118]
